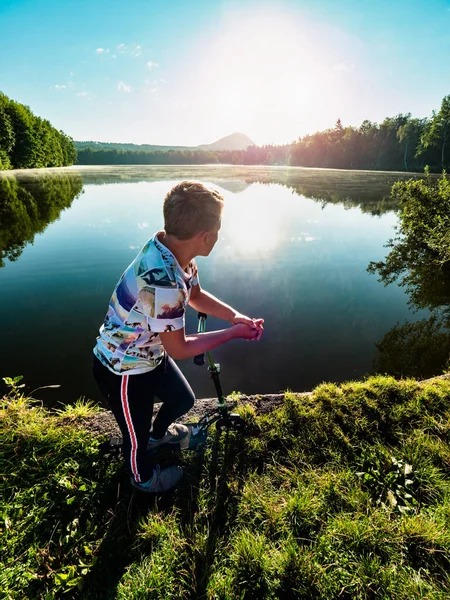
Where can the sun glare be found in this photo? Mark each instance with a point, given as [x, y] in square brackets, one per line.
[252, 227]
[268, 75]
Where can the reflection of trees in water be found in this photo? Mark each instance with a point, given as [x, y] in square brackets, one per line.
[419, 349]
[419, 260]
[372, 201]
[368, 190]
[26, 208]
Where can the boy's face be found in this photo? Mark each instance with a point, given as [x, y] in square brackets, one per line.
[209, 240]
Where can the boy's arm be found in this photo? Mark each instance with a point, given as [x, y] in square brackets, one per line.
[180, 346]
[203, 301]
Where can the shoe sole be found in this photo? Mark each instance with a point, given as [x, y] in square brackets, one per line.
[149, 492]
[168, 443]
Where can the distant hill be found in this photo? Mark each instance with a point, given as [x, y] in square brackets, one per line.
[235, 141]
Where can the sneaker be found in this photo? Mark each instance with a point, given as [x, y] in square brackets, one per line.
[174, 434]
[161, 481]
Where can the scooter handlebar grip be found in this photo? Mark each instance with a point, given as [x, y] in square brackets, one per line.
[199, 360]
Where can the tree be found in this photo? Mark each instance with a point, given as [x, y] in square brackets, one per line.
[419, 258]
[408, 135]
[27, 141]
[437, 132]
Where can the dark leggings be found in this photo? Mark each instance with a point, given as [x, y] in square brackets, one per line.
[131, 398]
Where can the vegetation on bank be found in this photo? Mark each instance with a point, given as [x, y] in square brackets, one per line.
[343, 494]
[27, 141]
[400, 143]
[419, 261]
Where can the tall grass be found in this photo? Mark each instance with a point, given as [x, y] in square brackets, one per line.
[345, 494]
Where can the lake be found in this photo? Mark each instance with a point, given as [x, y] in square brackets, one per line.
[294, 247]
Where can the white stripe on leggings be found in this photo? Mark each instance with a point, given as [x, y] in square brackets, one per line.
[126, 412]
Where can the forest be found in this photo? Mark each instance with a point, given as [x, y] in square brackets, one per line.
[27, 141]
[400, 143]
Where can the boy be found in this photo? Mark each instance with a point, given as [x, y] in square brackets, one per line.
[144, 331]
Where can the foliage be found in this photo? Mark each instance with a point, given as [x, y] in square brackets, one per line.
[341, 494]
[27, 141]
[419, 260]
[436, 134]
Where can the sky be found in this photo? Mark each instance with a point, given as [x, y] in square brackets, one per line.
[188, 72]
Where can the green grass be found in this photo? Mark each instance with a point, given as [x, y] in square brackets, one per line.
[345, 494]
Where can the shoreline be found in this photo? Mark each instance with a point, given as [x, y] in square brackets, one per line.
[103, 422]
[72, 168]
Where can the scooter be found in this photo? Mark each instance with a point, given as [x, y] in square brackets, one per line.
[221, 415]
[198, 431]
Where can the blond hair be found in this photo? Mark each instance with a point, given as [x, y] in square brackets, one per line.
[191, 207]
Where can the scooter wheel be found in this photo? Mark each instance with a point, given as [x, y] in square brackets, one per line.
[234, 422]
[237, 423]
[221, 425]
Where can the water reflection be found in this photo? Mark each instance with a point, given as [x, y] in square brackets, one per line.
[420, 349]
[26, 208]
[294, 252]
[419, 261]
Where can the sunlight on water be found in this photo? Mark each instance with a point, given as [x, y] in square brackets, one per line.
[293, 249]
[252, 227]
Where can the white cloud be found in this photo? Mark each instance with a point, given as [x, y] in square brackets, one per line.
[82, 94]
[136, 50]
[151, 87]
[102, 50]
[152, 65]
[59, 87]
[123, 87]
[131, 50]
[344, 67]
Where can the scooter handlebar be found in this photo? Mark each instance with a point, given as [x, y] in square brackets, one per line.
[200, 358]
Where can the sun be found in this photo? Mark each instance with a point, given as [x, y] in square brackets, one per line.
[264, 73]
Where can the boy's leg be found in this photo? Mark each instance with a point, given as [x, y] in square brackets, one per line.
[176, 396]
[130, 398]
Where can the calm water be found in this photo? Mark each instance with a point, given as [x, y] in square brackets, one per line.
[293, 249]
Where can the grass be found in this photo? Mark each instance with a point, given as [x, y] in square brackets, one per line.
[345, 494]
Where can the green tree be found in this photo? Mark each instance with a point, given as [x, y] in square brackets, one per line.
[7, 137]
[23, 155]
[408, 134]
[27, 141]
[437, 133]
[419, 258]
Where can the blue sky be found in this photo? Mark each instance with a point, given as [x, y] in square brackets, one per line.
[190, 72]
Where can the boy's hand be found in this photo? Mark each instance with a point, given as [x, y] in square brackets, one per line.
[257, 324]
[244, 331]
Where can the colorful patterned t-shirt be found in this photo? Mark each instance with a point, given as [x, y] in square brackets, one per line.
[150, 297]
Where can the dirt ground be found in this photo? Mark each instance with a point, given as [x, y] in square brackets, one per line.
[104, 425]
